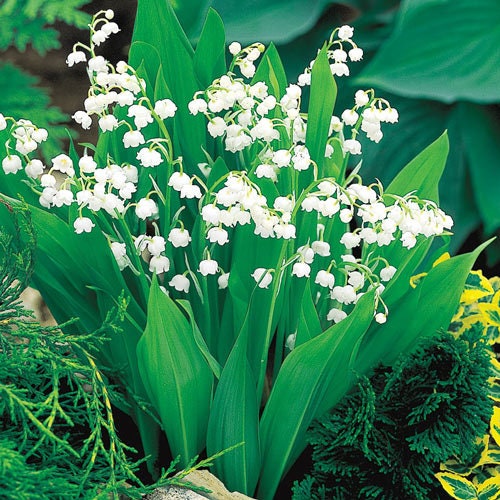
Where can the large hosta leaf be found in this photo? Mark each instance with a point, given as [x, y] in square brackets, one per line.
[443, 50]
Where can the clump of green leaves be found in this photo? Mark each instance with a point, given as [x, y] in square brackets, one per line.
[387, 438]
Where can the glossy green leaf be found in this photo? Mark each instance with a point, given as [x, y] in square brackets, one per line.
[442, 50]
[250, 21]
[209, 58]
[190, 13]
[309, 325]
[234, 419]
[457, 486]
[176, 58]
[312, 379]
[177, 377]
[321, 103]
[421, 311]
[482, 148]
[271, 71]
[422, 174]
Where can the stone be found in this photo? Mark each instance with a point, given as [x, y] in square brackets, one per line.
[201, 478]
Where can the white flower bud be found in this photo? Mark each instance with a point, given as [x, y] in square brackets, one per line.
[217, 235]
[263, 277]
[165, 108]
[12, 164]
[336, 315]
[234, 48]
[180, 283]
[223, 281]
[132, 139]
[179, 237]
[387, 273]
[345, 32]
[146, 208]
[208, 266]
[34, 168]
[324, 278]
[301, 270]
[83, 225]
[159, 264]
[119, 251]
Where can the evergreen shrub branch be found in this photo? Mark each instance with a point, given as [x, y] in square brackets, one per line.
[58, 435]
[387, 439]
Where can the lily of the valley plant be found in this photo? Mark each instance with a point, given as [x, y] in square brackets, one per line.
[261, 271]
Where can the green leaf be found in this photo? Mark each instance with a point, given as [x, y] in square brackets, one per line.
[482, 149]
[301, 393]
[421, 311]
[209, 58]
[438, 42]
[176, 59]
[309, 325]
[249, 22]
[271, 71]
[489, 489]
[177, 377]
[234, 419]
[190, 13]
[422, 174]
[321, 103]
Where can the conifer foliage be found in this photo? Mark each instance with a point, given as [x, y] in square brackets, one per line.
[387, 438]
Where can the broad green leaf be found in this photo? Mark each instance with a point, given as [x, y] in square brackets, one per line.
[422, 174]
[257, 313]
[176, 58]
[190, 13]
[457, 486]
[421, 311]
[435, 43]
[250, 21]
[271, 71]
[234, 419]
[312, 379]
[209, 57]
[177, 377]
[200, 341]
[321, 103]
[309, 325]
[482, 148]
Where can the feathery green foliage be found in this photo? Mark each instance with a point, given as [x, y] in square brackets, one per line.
[387, 438]
[21, 97]
[31, 22]
[58, 435]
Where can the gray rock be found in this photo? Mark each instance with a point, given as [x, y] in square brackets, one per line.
[201, 478]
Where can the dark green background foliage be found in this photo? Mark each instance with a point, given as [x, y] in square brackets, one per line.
[31, 23]
[387, 438]
[436, 61]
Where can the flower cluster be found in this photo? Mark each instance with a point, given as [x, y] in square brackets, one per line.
[27, 137]
[271, 131]
[337, 54]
